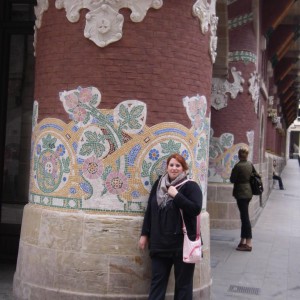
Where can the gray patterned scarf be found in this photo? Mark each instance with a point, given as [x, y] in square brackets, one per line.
[162, 189]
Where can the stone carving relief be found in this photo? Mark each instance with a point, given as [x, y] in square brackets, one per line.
[220, 88]
[104, 23]
[207, 15]
[254, 83]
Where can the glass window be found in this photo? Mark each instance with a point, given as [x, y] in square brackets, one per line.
[21, 12]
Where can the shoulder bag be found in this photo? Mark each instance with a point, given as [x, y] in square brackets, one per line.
[256, 183]
[192, 250]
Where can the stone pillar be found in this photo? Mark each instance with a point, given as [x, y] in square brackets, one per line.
[117, 91]
[237, 114]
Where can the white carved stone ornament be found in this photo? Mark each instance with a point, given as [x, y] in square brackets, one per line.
[271, 100]
[207, 15]
[39, 9]
[104, 24]
[254, 83]
[220, 88]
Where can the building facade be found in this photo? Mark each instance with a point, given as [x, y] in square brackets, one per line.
[97, 94]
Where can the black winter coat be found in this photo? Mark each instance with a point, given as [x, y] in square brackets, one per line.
[164, 225]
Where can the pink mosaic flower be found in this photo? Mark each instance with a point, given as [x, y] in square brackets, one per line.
[92, 168]
[71, 101]
[50, 166]
[85, 95]
[193, 107]
[197, 121]
[116, 183]
[79, 114]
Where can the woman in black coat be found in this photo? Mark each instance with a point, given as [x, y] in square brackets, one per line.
[162, 229]
[240, 177]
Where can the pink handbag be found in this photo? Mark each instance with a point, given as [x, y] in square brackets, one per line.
[192, 250]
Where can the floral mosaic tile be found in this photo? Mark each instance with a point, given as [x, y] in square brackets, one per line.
[107, 160]
[223, 155]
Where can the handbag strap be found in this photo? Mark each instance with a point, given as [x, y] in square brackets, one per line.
[198, 225]
[181, 183]
[198, 217]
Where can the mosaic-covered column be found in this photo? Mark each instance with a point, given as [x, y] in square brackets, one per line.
[238, 114]
[120, 85]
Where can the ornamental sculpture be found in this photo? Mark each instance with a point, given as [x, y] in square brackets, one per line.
[104, 24]
[207, 15]
[220, 88]
[254, 83]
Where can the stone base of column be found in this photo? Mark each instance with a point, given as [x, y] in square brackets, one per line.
[84, 256]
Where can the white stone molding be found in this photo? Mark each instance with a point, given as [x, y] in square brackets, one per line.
[208, 20]
[220, 88]
[277, 121]
[39, 9]
[250, 138]
[270, 100]
[104, 24]
[254, 84]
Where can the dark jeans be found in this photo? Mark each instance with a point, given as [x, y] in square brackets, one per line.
[246, 230]
[279, 181]
[184, 273]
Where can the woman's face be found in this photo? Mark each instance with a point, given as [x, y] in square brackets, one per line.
[174, 168]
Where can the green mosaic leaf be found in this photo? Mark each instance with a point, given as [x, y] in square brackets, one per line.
[94, 100]
[107, 170]
[145, 169]
[170, 147]
[130, 118]
[86, 150]
[49, 142]
[104, 191]
[86, 119]
[123, 112]
[134, 124]
[66, 165]
[93, 144]
[137, 111]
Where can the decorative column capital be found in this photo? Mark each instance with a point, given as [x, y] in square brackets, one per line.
[104, 23]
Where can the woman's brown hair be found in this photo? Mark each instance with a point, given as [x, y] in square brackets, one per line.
[180, 159]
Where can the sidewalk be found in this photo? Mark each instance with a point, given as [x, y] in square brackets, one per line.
[272, 269]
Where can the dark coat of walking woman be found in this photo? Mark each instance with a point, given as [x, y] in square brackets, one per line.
[240, 177]
[162, 229]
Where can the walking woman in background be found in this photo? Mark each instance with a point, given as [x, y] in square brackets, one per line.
[240, 177]
[162, 229]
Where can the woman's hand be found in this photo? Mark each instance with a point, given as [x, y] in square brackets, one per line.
[172, 191]
[143, 242]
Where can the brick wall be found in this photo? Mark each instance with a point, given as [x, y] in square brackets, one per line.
[163, 58]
